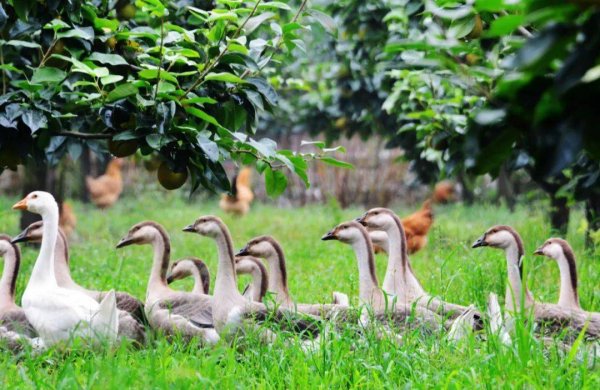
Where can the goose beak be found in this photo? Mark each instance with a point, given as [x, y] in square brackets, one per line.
[480, 242]
[22, 237]
[329, 236]
[189, 229]
[362, 219]
[243, 252]
[20, 205]
[124, 242]
[170, 279]
[539, 251]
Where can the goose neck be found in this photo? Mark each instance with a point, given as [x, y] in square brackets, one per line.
[226, 281]
[277, 273]
[368, 286]
[61, 263]
[43, 270]
[8, 280]
[516, 284]
[568, 296]
[161, 249]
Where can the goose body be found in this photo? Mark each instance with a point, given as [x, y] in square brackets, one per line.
[174, 312]
[553, 318]
[57, 313]
[268, 248]
[385, 309]
[232, 312]
[12, 317]
[130, 310]
[400, 279]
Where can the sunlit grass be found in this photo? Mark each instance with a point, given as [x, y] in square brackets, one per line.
[447, 267]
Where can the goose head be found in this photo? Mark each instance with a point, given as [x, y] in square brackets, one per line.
[139, 234]
[186, 267]
[378, 219]
[554, 248]
[500, 236]
[32, 233]
[257, 247]
[39, 202]
[209, 226]
[347, 232]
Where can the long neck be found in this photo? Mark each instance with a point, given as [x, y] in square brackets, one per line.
[8, 281]
[43, 270]
[226, 281]
[161, 248]
[257, 283]
[61, 262]
[517, 285]
[568, 283]
[399, 277]
[368, 286]
[198, 285]
[278, 273]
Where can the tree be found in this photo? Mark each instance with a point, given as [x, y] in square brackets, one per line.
[182, 79]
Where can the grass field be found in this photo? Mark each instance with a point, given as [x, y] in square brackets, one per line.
[447, 267]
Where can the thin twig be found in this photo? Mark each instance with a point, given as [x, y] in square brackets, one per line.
[212, 64]
[521, 29]
[160, 57]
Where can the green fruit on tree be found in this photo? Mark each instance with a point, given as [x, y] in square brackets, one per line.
[477, 28]
[169, 179]
[122, 148]
[127, 12]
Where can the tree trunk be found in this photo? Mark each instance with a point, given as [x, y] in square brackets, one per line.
[467, 192]
[505, 188]
[592, 214]
[559, 214]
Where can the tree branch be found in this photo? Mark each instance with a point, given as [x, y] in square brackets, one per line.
[76, 134]
[160, 55]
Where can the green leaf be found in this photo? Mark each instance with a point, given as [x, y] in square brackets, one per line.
[224, 76]
[504, 25]
[151, 74]
[324, 20]
[110, 59]
[275, 182]
[48, 75]
[273, 5]
[198, 113]
[254, 22]
[317, 144]
[111, 79]
[86, 33]
[336, 163]
[461, 28]
[121, 92]
[17, 43]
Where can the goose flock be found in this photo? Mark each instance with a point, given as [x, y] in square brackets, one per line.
[55, 308]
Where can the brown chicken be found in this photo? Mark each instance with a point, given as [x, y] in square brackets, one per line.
[416, 226]
[239, 201]
[444, 192]
[106, 189]
[67, 219]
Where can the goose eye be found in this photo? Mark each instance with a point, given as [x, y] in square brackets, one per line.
[34, 196]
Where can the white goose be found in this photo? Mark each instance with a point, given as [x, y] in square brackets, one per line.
[130, 309]
[56, 313]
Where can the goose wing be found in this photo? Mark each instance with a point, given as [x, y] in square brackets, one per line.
[554, 319]
[15, 320]
[194, 307]
[131, 305]
[306, 325]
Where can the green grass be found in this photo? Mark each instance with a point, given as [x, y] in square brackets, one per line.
[447, 267]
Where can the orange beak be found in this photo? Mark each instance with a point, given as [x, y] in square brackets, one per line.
[20, 205]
